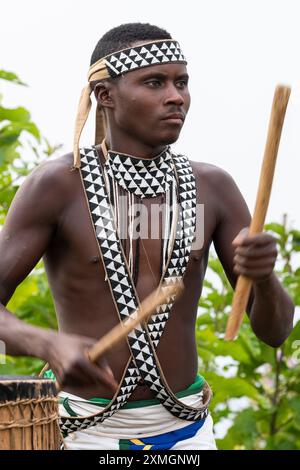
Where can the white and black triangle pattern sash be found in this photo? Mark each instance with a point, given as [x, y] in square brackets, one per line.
[182, 243]
[143, 178]
[142, 340]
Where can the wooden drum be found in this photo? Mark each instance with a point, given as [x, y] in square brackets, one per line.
[28, 414]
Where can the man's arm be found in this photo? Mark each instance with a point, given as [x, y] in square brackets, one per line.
[28, 229]
[270, 308]
[32, 221]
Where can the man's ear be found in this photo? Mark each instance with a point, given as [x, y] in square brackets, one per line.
[103, 94]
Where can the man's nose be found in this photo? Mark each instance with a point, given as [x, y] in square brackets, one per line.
[174, 96]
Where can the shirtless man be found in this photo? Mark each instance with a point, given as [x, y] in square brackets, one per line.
[144, 110]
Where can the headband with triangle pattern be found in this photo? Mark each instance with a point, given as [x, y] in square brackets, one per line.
[120, 62]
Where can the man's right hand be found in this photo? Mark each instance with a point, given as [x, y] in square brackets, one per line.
[67, 357]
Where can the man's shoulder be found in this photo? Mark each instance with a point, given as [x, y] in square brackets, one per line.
[212, 175]
[56, 173]
[53, 183]
[54, 166]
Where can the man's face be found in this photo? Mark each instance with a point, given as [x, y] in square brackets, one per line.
[150, 104]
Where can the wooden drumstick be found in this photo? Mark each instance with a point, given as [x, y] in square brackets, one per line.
[146, 309]
[243, 286]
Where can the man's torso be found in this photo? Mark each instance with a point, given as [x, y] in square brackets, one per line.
[83, 299]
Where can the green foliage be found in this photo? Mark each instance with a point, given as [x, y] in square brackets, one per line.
[11, 77]
[255, 386]
[21, 147]
[32, 301]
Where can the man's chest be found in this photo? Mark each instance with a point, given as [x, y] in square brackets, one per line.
[147, 219]
[144, 229]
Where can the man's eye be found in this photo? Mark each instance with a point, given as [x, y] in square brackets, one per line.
[182, 84]
[153, 83]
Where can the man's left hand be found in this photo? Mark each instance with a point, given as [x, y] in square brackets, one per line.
[254, 255]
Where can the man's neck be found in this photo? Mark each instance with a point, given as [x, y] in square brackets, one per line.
[132, 147]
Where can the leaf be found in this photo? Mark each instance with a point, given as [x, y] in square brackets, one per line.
[223, 348]
[24, 291]
[284, 441]
[283, 412]
[205, 355]
[225, 388]
[8, 152]
[242, 434]
[208, 284]
[9, 136]
[295, 239]
[14, 129]
[295, 406]
[276, 228]
[11, 77]
[17, 114]
[21, 366]
[292, 344]
[204, 319]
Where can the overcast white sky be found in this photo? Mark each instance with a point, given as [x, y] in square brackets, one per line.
[238, 51]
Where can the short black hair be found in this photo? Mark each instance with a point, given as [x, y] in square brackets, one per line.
[124, 35]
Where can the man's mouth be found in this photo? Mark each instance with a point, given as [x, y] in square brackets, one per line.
[176, 118]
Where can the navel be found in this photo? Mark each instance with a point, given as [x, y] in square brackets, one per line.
[95, 259]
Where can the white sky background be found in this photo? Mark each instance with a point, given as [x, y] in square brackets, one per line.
[238, 50]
